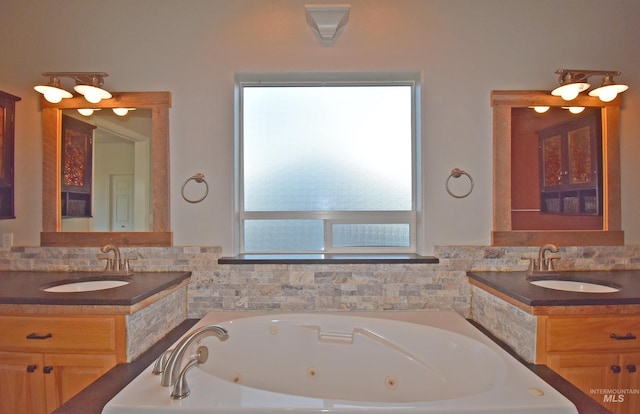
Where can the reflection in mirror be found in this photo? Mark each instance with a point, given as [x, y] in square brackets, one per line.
[556, 180]
[118, 197]
[150, 226]
[556, 174]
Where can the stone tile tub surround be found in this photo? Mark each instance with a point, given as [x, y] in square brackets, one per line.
[506, 322]
[442, 286]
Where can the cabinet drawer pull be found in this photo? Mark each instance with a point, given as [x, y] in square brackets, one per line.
[615, 368]
[31, 368]
[36, 336]
[47, 369]
[622, 338]
[631, 368]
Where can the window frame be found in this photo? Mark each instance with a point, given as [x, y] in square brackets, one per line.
[410, 217]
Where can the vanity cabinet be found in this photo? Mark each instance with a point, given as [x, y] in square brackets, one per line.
[45, 360]
[598, 354]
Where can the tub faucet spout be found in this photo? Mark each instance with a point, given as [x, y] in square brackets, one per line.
[173, 366]
[544, 263]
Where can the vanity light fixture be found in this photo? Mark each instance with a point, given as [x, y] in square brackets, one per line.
[574, 81]
[87, 111]
[117, 111]
[327, 20]
[540, 109]
[52, 91]
[608, 90]
[88, 84]
[122, 111]
[574, 109]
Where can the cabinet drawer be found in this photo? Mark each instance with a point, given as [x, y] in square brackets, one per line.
[59, 333]
[604, 333]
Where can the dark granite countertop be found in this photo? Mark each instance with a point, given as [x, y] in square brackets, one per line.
[516, 285]
[327, 258]
[25, 288]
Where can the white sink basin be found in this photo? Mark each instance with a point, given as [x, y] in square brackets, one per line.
[574, 286]
[86, 286]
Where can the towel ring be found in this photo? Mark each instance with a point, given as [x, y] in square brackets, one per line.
[198, 178]
[457, 173]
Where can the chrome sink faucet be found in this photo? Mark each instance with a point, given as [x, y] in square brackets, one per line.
[544, 264]
[115, 262]
[115, 265]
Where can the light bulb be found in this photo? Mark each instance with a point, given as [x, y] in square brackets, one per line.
[86, 111]
[120, 111]
[571, 93]
[53, 96]
[576, 109]
[540, 109]
[608, 94]
[92, 96]
[91, 93]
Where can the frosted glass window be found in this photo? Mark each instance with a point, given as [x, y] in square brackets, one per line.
[327, 148]
[371, 235]
[283, 235]
[324, 153]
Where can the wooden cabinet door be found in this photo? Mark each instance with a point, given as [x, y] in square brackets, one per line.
[66, 375]
[588, 372]
[22, 387]
[630, 383]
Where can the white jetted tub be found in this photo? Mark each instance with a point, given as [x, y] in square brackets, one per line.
[381, 362]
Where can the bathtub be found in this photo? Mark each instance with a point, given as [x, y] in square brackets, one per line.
[380, 362]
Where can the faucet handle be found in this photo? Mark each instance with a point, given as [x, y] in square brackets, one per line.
[549, 263]
[532, 263]
[126, 267]
[108, 259]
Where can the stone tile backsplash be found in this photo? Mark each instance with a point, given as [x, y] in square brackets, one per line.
[336, 287]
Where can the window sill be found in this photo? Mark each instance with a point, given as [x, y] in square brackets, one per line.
[320, 258]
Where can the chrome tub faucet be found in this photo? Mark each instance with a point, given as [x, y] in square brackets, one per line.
[173, 365]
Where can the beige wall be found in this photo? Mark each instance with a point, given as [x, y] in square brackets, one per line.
[462, 48]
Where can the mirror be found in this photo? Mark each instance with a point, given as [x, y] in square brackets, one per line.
[507, 229]
[106, 171]
[155, 103]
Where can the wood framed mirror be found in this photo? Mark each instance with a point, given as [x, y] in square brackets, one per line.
[160, 234]
[504, 232]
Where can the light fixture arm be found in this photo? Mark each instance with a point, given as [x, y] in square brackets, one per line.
[581, 75]
[88, 84]
[85, 78]
[574, 81]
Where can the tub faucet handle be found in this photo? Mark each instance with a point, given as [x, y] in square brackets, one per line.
[161, 362]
